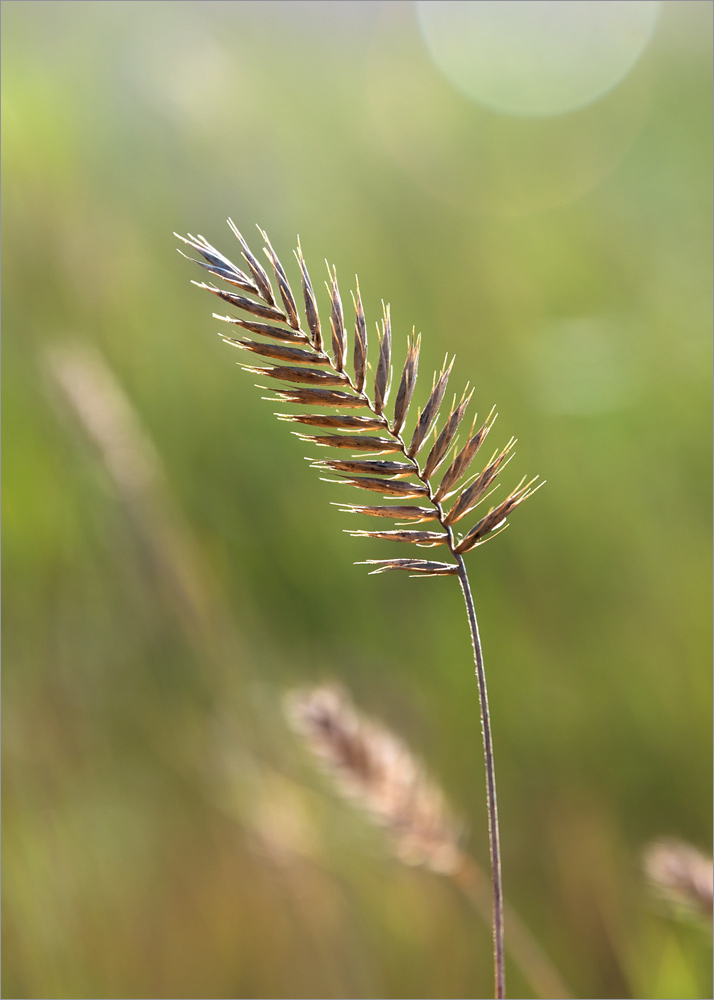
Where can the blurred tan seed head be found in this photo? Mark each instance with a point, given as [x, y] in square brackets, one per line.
[681, 874]
[374, 769]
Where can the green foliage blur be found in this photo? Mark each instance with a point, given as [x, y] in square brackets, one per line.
[164, 833]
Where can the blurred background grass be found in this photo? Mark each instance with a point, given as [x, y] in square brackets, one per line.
[164, 836]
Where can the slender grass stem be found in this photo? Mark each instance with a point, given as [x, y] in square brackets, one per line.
[493, 835]
[523, 948]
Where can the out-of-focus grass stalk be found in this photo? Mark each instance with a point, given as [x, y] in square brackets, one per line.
[111, 423]
[681, 875]
[237, 768]
[374, 769]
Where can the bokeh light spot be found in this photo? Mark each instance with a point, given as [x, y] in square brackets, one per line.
[536, 57]
[479, 161]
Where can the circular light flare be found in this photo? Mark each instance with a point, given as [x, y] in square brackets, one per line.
[536, 58]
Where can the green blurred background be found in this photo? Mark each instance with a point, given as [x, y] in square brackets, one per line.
[164, 834]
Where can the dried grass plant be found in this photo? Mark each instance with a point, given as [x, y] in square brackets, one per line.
[342, 414]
